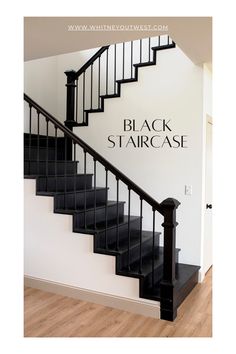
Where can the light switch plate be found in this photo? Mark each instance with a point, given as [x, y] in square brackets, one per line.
[188, 190]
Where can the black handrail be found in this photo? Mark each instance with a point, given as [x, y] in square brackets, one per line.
[143, 195]
[91, 61]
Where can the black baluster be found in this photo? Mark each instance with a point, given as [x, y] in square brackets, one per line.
[123, 68]
[168, 40]
[149, 49]
[55, 158]
[76, 99]
[131, 59]
[117, 214]
[47, 154]
[30, 129]
[159, 41]
[38, 142]
[85, 192]
[91, 103]
[128, 228]
[65, 172]
[140, 51]
[140, 236]
[115, 69]
[106, 243]
[99, 80]
[107, 74]
[95, 193]
[153, 247]
[75, 175]
[83, 95]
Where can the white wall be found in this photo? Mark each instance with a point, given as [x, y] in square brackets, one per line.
[40, 82]
[173, 89]
[44, 79]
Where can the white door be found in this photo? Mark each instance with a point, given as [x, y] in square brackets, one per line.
[207, 251]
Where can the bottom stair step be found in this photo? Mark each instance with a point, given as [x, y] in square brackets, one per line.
[186, 279]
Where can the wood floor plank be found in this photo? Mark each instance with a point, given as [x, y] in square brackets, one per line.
[52, 315]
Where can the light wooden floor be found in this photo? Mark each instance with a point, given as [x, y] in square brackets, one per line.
[51, 315]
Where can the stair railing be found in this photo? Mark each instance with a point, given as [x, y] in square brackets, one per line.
[101, 76]
[41, 123]
[73, 81]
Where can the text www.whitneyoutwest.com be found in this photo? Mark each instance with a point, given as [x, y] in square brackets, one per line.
[115, 28]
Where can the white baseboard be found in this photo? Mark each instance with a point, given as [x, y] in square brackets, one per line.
[201, 276]
[146, 307]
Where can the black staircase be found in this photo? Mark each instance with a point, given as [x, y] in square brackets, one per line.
[101, 77]
[138, 252]
[68, 169]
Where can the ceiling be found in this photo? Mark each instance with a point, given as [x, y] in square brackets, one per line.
[49, 36]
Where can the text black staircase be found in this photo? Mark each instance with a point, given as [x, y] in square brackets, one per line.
[61, 162]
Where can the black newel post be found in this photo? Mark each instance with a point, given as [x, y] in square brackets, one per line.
[167, 288]
[70, 107]
[70, 98]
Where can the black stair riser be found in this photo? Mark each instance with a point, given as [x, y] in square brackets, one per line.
[58, 168]
[135, 252]
[79, 219]
[112, 234]
[57, 184]
[75, 201]
[42, 142]
[43, 154]
[186, 289]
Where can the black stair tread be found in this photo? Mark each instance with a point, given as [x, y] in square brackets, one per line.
[112, 95]
[54, 161]
[82, 190]
[77, 191]
[39, 147]
[71, 123]
[41, 137]
[68, 192]
[134, 240]
[111, 224]
[146, 63]
[89, 208]
[94, 110]
[146, 263]
[164, 46]
[35, 135]
[183, 273]
[121, 81]
[66, 175]
[34, 138]
[45, 193]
